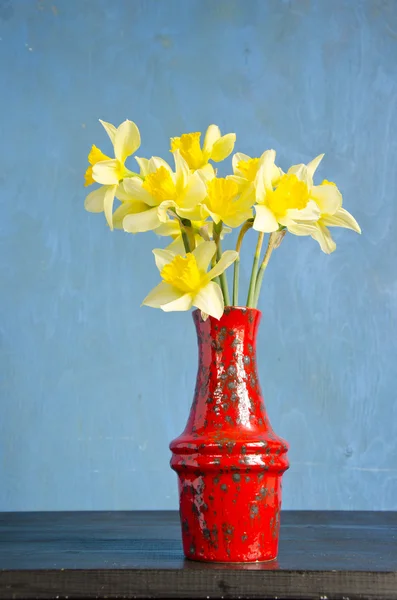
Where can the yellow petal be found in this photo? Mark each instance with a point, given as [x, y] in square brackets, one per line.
[94, 201]
[225, 261]
[238, 158]
[223, 147]
[108, 204]
[341, 218]
[210, 300]
[96, 155]
[183, 303]
[88, 180]
[127, 140]
[264, 221]
[140, 222]
[204, 254]
[162, 294]
[107, 172]
[212, 135]
[110, 130]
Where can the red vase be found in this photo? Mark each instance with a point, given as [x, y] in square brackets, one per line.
[228, 459]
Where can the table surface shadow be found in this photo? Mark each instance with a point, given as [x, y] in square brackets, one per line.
[323, 554]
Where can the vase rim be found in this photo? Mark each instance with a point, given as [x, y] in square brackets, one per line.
[238, 308]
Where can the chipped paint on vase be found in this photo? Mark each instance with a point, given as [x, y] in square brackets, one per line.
[228, 459]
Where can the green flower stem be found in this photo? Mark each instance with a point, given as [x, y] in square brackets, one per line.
[270, 247]
[236, 273]
[222, 277]
[254, 272]
[185, 239]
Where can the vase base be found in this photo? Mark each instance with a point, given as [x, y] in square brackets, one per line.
[231, 562]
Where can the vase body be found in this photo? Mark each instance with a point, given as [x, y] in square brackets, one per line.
[228, 459]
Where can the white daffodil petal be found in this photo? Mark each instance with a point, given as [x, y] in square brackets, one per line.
[163, 257]
[223, 147]
[323, 237]
[225, 261]
[194, 193]
[213, 134]
[140, 222]
[163, 209]
[313, 164]
[126, 208]
[204, 253]
[238, 218]
[106, 172]
[108, 204]
[265, 220]
[156, 162]
[302, 228]
[161, 294]
[170, 228]
[341, 218]
[127, 140]
[206, 212]
[206, 173]
[133, 190]
[110, 130]
[176, 246]
[264, 175]
[193, 214]
[183, 303]
[210, 300]
[311, 212]
[143, 165]
[181, 171]
[328, 198]
[94, 201]
[302, 173]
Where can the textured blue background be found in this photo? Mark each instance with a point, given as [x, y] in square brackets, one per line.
[92, 386]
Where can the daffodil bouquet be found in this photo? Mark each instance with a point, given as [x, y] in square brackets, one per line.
[195, 208]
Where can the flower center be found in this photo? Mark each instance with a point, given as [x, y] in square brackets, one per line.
[189, 147]
[183, 273]
[249, 168]
[221, 194]
[160, 185]
[291, 192]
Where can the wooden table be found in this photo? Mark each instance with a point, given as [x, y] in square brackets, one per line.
[343, 555]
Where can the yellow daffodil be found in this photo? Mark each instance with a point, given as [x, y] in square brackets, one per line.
[291, 200]
[108, 171]
[245, 170]
[225, 203]
[186, 283]
[161, 190]
[331, 215]
[216, 147]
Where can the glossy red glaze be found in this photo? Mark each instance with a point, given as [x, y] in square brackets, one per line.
[228, 458]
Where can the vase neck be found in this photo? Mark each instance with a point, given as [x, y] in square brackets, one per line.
[228, 393]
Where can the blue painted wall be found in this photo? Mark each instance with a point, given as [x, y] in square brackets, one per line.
[92, 386]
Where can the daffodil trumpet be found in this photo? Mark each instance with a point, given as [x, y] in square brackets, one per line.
[189, 203]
